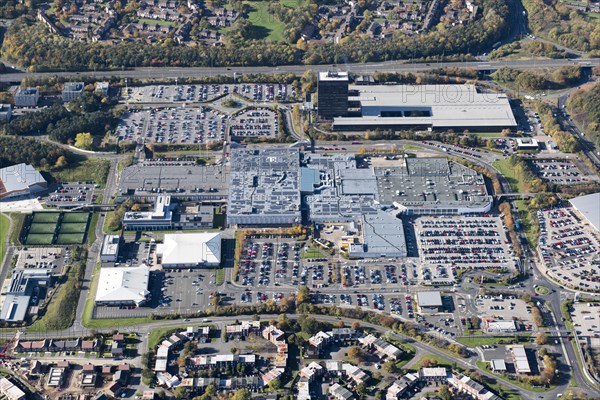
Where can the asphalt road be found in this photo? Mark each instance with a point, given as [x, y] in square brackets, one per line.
[389, 66]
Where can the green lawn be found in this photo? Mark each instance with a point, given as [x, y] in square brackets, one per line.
[156, 22]
[441, 362]
[292, 3]
[220, 276]
[542, 290]
[264, 25]
[507, 170]
[4, 224]
[91, 237]
[595, 16]
[471, 341]
[313, 253]
[529, 223]
[89, 169]
[411, 147]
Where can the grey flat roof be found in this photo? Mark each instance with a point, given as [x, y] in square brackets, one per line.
[421, 183]
[589, 207]
[383, 234]
[20, 177]
[343, 192]
[429, 299]
[264, 182]
[447, 106]
[176, 180]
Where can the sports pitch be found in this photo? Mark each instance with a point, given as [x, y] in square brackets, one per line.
[48, 228]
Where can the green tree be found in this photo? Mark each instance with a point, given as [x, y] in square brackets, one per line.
[303, 295]
[275, 384]
[445, 393]
[242, 394]
[180, 392]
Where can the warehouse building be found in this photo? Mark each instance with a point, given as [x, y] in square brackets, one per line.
[118, 286]
[147, 180]
[381, 235]
[264, 187]
[588, 207]
[23, 283]
[190, 250]
[110, 248]
[421, 186]
[433, 107]
[429, 302]
[10, 390]
[20, 180]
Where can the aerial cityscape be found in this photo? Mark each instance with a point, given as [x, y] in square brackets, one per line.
[299, 199]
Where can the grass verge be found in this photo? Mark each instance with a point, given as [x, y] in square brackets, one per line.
[507, 170]
[17, 226]
[220, 276]
[4, 224]
[490, 340]
[91, 236]
[60, 313]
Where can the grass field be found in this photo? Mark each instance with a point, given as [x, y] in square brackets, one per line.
[4, 224]
[73, 227]
[220, 276]
[264, 25]
[42, 228]
[313, 253]
[506, 169]
[89, 169]
[75, 217]
[39, 239]
[45, 217]
[70, 238]
[292, 3]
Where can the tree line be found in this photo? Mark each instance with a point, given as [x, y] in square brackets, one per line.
[28, 43]
[584, 107]
[85, 114]
[16, 150]
[563, 25]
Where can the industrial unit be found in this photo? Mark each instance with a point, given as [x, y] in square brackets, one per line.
[433, 107]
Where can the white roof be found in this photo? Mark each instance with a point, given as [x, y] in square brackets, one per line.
[191, 249]
[123, 284]
[19, 177]
[429, 299]
[448, 106]
[588, 207]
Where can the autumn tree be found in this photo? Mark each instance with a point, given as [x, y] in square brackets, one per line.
[84, 141]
